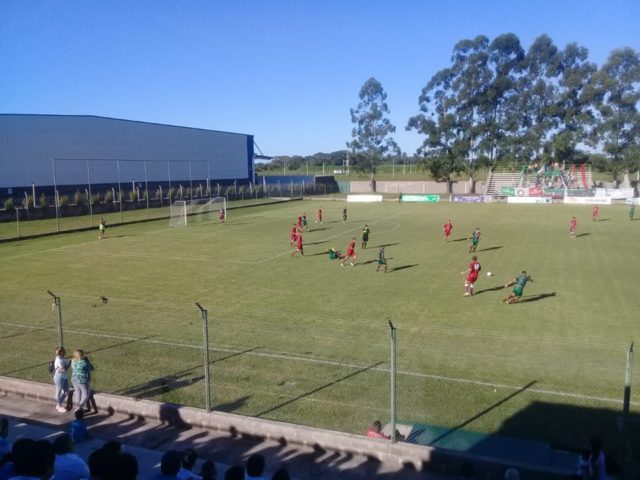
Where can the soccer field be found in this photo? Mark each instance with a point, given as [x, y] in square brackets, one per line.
[306, 341]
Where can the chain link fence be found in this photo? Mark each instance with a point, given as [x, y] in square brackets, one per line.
[446, 398]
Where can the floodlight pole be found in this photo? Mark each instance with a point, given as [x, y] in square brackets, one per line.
[625, 412]
[119, 191]
[58, 307]
[207, 374]
[90, 200]
[146, 186]
[393, 332]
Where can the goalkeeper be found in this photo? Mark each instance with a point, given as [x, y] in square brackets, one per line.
[518, 287]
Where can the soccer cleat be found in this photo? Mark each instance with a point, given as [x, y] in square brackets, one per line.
[352, 264]
[467, 294]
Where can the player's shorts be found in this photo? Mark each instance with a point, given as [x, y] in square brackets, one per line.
[365, 238]
[517, 291]
[474, 243]
[472, 278]
[382, 262]
[447, 234]
[351, 253]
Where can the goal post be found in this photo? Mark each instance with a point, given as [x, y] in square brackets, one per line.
[186, 212]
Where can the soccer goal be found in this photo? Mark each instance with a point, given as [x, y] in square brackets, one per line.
[187, 212]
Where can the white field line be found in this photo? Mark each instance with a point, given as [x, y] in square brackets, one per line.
[335, 363]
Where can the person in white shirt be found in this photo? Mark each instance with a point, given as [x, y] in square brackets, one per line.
[60, 379]
[68, 466]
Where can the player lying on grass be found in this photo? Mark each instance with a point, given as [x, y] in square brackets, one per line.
[334, 254]
[518, 287]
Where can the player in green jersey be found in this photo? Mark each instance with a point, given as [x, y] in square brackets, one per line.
[518, 287]
[382, 260]
[475, 238]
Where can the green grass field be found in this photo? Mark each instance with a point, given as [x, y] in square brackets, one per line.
[303, 340]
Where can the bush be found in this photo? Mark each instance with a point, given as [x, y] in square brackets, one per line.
[108, 196]
[158, 194]
[79, 198]
[95, 199]
[133, 195]
[28, 202]
[8, 203]
[44, 201]
[64, 200]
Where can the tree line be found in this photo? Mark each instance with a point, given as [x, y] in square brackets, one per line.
[497, 104]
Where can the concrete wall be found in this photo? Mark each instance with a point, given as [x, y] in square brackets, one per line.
[430, 187]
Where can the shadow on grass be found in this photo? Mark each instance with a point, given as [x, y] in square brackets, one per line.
[402, 267]
[535, 298]
[462, 239]
[603, 220]
[317, 243]
[371, 261]
[31, 330]
[582, 235]
[319, 229]
[492, 289]
[318, 389]
[483, 412]
[387, 245]
[491, 248]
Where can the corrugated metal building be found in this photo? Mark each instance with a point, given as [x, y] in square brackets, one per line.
[79, 149]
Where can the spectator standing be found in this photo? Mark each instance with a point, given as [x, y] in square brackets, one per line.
[5, 446]
[255, 467]
[81, 377]
[188, 462]
[68, 466]
[60, 379]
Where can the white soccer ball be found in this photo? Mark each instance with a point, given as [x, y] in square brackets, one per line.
[489, 274]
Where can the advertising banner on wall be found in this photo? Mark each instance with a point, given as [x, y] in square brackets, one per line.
[633, 201]
[529, 200]
[467, 198]
[364, 198]
[615, 193]
[420, 198]
[507, 191]
[587, 200]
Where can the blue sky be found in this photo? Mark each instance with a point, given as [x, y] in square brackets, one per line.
[286, 71]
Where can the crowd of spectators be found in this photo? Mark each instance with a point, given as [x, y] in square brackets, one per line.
[28, 459]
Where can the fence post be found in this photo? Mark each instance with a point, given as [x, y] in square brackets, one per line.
[58, 308]
[393, 382]
[205, 338]
[625, 412]
[18, 220]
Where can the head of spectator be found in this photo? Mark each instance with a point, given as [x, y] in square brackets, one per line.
[79, 354]
[234, 473]
[97, 463]
[36, 460]
[255, 466]
[281, 474]
[5, 446]
[377, 426]
[21, 455]
[79, 414]
[171, 462]
[512, 474]
[208, 470]
[60, 352]
[189, 459]
[4, 427]
[121, 466]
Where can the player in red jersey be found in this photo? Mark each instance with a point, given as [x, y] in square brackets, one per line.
[595, 213]
[351, 253]
[221, 215]
[472, 275]
[573, 224]
[320, 215]
[299, 247]
[448, 227]
[294, 234]
[299, 222]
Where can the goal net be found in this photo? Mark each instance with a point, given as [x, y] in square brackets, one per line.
[187, 212]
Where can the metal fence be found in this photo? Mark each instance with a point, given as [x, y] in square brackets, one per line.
[181, 354]
[127, 206]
